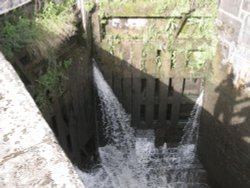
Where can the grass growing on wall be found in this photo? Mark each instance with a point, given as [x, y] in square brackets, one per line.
[42, 33]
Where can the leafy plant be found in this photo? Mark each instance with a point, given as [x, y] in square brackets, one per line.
[15, 36]
[179, 35]
[89, 5]
[41, 34]
[173, 59]
[50, 84]
[55, 24]
[113, 41]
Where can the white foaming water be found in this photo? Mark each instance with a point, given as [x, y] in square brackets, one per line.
[130, 161]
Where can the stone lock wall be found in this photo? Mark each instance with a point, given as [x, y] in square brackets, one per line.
[233, 29]
[225, 133]
[29, 154]
[7, 5]
[154, 56]
[70, 112]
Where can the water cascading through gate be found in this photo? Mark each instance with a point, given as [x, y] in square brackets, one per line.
[131, 161]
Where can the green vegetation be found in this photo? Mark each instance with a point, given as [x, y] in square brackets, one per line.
[173, 59]
[121, 8]
[187, 30]
[165, 8]
[55, 24]
[40, 34]
[50, 84]
[113, 42]
[14, 37]
[196, 60]
[89, 5]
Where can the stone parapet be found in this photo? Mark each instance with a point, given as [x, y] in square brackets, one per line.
[29, 153]
[8, 5]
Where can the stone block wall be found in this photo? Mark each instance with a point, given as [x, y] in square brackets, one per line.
[224, 141]
[234, 34]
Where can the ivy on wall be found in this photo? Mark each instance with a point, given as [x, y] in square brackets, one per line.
[192, 23]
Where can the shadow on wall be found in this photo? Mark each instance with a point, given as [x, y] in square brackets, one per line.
[71, 113]
[38, 48]
[164, 104]
[224, 144]
[73, 117]
[158, 102]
